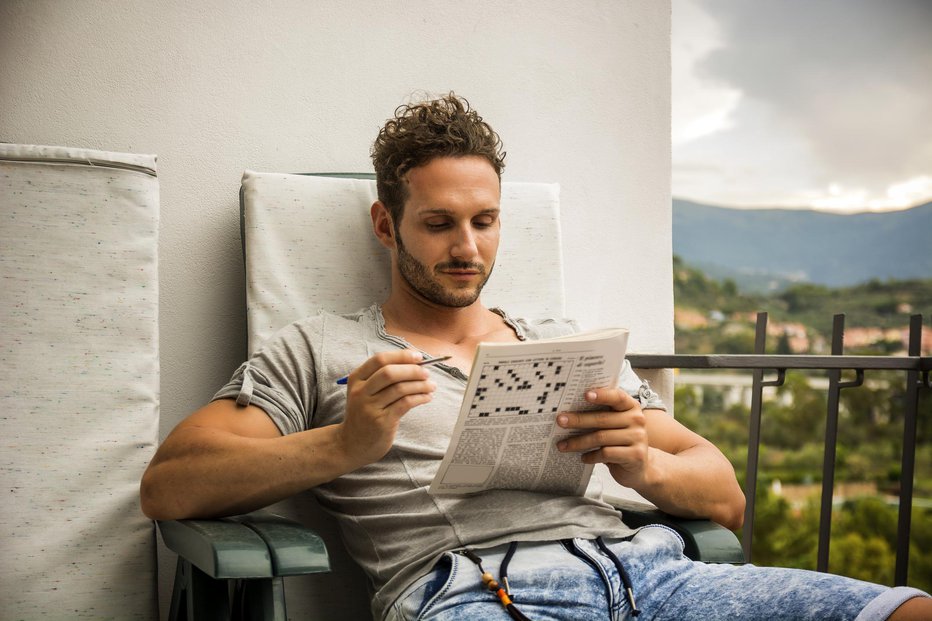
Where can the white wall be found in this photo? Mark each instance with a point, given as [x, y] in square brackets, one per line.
[579, 91]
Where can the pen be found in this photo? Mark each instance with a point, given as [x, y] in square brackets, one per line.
[422, 363]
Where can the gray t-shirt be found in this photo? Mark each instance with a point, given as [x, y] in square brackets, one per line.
[393, 528]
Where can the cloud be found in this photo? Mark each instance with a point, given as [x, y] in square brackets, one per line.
[698, 107]
[851, 77]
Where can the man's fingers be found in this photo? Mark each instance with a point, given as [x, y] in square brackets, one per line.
[617, 402]
[401, 406]
[385, 369]
[615, 455]
[393, 393]
[393, 375]
[603, 438]
[602, 419]
[615, 398]
[382, 359]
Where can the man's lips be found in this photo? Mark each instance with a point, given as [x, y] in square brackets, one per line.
[462, 274]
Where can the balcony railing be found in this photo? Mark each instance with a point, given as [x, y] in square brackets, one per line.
[915, 369]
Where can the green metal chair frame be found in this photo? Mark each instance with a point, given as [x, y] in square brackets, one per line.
[232, 569]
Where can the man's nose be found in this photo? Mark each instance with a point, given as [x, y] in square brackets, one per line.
[465, 244]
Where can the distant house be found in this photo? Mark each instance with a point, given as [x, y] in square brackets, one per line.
[862, 337]
[689, 319]
[925, 341]
[796, 334]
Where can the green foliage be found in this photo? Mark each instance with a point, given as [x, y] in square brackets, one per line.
[783, 536]
[877, 304]
[693, 289]
[863, 541]
[792, 423]
[870, 425]
[862, 544]
[863, 556]
[920, 543]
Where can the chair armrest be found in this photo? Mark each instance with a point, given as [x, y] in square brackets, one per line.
[705, 540]
[220, 548]
[255, 545]
[295, 549]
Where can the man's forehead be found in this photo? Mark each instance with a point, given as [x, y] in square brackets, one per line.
[452, 167]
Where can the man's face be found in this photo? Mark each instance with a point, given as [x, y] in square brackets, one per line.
[448, 235]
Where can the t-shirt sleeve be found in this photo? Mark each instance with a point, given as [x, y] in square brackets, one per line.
[639, 389]
[279, 379]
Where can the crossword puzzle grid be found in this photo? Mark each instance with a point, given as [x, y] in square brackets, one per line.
[508, 389]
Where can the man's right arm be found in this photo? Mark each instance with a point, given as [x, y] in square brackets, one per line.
[226, 459]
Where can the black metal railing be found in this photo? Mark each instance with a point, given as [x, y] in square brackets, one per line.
[914, 366]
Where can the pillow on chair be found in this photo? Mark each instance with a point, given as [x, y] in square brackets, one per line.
[309, 245]
[80, 381]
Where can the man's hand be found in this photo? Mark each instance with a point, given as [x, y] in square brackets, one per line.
[617, 436]
[677, 470]
[382, 390]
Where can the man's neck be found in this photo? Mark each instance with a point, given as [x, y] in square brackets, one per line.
[443, 330]
[406, 313]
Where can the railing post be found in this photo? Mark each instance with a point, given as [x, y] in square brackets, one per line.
[831, 440]
[835, 386]
[750, 483]
[908, 467]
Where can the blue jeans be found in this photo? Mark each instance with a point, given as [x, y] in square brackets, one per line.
[574, 580]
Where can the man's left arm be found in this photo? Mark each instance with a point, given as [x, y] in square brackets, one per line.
[647, 450]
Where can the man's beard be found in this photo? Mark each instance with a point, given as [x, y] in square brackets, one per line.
[420, 278]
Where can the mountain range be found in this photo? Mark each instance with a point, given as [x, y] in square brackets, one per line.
[766, 249]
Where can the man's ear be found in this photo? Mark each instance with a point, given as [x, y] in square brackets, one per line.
[382, 224]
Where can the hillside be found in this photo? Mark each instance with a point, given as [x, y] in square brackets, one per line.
[768, 248]
[715, 315]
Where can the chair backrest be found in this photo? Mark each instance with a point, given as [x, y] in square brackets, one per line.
[309, 245]
[80, 382]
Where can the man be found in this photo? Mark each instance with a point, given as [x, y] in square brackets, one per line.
[370, 449]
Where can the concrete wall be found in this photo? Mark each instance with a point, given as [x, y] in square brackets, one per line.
[579, 91]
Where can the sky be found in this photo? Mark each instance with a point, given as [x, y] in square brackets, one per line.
[823, 104]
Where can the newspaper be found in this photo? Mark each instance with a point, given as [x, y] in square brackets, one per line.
[506, 433]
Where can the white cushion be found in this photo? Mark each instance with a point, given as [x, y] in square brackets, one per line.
[310, 246]
[79, 394]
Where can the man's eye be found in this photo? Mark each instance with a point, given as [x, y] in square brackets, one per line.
[484, 224]
[437, 226]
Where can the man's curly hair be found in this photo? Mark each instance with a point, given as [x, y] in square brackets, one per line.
[418, 133]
